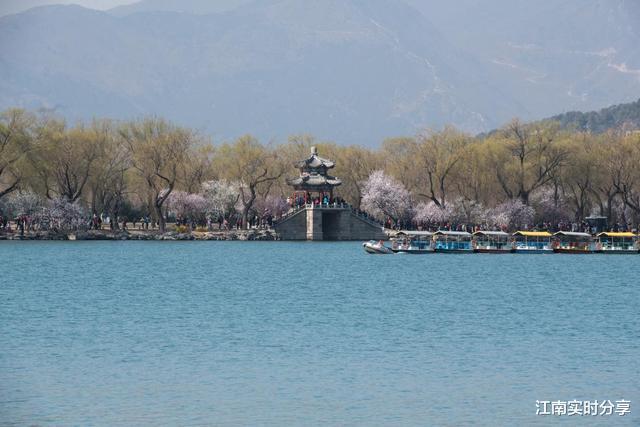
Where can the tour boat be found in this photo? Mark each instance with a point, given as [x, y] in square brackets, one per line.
[413, 242]
[571, 242]
[492, 242]
[452, 242]
[617, 243]
[376, 247]
[532, 242]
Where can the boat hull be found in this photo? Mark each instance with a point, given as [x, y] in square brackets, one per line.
[376, 249]
[618, 252]
[532, 251]
[492, 251]
[454, 251]
[573, 251]
[413, 251]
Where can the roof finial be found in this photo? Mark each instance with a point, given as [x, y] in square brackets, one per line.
[314, 151]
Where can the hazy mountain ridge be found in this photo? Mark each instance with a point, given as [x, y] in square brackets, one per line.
[623, 117]
[353, 71]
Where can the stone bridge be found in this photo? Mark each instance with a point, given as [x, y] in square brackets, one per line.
[328, 222]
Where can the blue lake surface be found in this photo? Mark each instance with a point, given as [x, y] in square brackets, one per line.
[278, 333]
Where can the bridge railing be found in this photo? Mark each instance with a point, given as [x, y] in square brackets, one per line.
[337, 206]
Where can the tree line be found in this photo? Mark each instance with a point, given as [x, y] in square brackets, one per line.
[154, 168]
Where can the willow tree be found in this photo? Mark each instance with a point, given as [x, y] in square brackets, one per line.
[525, 158]
[354, 165]
[158, 152]
[625, 158]
[198, 167]
[605, 191]
[474, 180]
[108, 181]
[64, 159]
[579, 175]
[437, 158]
[252, 165]
[16, 136]
[397, 155]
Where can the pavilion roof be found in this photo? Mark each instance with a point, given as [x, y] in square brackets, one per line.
[315, 180]
[315, 161]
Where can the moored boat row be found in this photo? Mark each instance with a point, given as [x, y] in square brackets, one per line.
[497, 242]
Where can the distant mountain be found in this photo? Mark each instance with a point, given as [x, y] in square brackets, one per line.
[350, 70]
[549, 54]
[8, 7]
[355, 71]
[621, 117]
[198, 7]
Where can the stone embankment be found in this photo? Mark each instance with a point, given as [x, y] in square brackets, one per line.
[244, 235]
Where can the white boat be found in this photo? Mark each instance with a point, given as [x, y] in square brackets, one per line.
[373, 247]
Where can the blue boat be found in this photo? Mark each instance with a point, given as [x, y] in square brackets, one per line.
[492, 242]
[413, 242]
[453, 242]
[532, 242]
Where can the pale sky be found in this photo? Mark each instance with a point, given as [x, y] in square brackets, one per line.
[15, 6]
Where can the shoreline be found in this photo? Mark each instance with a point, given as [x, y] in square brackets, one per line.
[143, 235]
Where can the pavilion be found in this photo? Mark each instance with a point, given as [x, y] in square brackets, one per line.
[314, 185]
[316, 213]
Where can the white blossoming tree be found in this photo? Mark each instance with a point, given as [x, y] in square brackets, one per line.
[383, 196]
[221, 197]
[62, 215]
[513, 214]
[274, 205]
[430, 214]
[187, 205]
[462, 211]
[24, 203]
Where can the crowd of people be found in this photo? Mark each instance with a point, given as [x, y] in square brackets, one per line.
[25, 223]
[299, 200]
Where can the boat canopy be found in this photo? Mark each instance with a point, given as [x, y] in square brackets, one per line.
[572, 234]
[612, 234]
[414, 233]
[452, 233]
[491, 233]
[532, 233]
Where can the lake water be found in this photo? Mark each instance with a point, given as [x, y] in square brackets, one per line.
[243, 333]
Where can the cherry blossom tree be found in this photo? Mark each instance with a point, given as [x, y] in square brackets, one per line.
[513, 214]
[187, 205]
[550, 207]
[384, 196]
[462, 211]
[221, 197]
[274, 205]
[429, 213]
[62, 215]
[24, 202]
